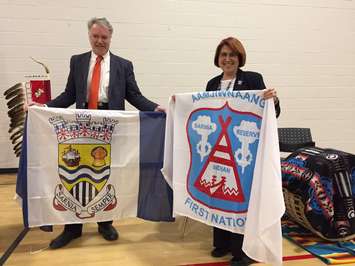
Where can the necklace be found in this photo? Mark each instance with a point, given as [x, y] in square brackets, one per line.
[229, 85]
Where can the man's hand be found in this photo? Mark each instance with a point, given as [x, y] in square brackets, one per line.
[25, 106]
[160, 109]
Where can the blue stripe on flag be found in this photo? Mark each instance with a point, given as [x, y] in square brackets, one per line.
[155, 198]
[21, 182]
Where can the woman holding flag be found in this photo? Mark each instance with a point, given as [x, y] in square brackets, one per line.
[230, 56]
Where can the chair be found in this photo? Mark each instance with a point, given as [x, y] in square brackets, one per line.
[293, 138]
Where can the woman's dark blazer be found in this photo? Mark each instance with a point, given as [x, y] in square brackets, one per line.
[246, 80]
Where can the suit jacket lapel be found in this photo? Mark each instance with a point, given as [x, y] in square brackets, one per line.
[240, 83]
[113, 70]
[217, 82]
[85, 71]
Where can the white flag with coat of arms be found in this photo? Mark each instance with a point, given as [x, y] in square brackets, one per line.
[81, 166]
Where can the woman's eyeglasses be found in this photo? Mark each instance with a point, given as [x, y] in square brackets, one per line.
[232, 54]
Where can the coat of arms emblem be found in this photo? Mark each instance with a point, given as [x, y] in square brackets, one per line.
[223, 144]
[84, 160]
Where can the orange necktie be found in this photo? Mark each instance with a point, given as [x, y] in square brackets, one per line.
[95, 83]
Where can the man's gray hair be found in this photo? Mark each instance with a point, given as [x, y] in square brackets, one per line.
[102, 22]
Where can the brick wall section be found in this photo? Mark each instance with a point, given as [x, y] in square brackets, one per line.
[303, 48]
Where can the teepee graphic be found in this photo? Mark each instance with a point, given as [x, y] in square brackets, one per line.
[219, 176]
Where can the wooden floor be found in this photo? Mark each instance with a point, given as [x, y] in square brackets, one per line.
[140, 242]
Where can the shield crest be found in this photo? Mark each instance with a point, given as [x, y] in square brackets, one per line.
[223, 144]
[84, 169]
[84, 165]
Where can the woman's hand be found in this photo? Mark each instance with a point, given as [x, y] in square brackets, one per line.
[270, 93]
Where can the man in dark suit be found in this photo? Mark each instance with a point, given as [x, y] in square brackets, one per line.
[115, 82]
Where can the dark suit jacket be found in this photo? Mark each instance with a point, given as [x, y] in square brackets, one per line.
[122, 85]
[246, 80]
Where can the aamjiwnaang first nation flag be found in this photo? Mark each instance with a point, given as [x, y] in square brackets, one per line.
[80, 166]
[222, 160]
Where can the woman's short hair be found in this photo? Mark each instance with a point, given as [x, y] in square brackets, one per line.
[236, 46]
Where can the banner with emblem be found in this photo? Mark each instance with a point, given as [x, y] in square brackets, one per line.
[83, 166]
[222, 160]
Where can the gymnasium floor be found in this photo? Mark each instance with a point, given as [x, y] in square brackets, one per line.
[140, 243]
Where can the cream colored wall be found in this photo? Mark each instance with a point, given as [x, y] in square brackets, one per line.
[303, 48]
